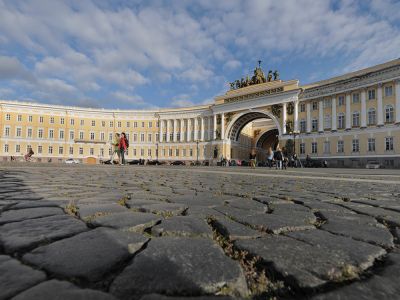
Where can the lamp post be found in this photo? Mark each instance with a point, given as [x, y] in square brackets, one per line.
[295, 133]
[157, 151]
[197, 152]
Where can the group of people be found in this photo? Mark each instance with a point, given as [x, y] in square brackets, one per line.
[280, 157]
[121, 145]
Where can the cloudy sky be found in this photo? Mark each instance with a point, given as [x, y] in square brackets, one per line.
[144, 54]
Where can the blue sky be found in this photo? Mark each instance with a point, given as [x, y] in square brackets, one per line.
[147, 54]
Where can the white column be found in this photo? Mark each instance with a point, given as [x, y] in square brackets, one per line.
[222, 126]
[348, 112]
[215, 127]
[196, 129]
[174, 130]
[308, 109]
[321, 116]
[202, 129]
[296, 116]
[168, 128]
[397, 106]
[284, 118]
[182, 122]
[161, 130]
[334, 116]
[187, 130]
[379, 103]
[363, 109]
[209, 135]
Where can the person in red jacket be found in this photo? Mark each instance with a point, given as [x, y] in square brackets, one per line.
[122, 148]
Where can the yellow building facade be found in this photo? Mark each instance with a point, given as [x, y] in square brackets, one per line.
[348, 120]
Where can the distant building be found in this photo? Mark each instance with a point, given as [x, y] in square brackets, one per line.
[347, 120]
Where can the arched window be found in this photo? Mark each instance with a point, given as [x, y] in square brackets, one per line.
[371, 116]
[341, 121]
[389, 114]
[356, 119]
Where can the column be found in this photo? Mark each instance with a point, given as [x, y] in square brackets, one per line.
[168, 123]
[296, 116]
[202, 129]
[379, 109]
[363, 109]
[222, 126]
[321, 116]
[188, 132]
[334, 116]
[215, 127]
[308, 109]
[182, 122]
[209, 135]
[284, 118]
[196, 127]
[161, 131]
[175, 132]
[348, 112]
[397, 106]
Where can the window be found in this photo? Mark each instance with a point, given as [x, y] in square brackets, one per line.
[371, 94]
[327, 121]
[28, 148]
[341, 121]
[171, 136]
[119, 124]
[40, 149]
[176, 152]
[72, 122]
[71, 135]
[315, 105]
[52, 120]
[183, 152]
[314, 147]
[110, 136]
[102, 136]
[371, 145]
[371, 116]
[142, 137]
[103, 123]
[40, 133]
[302, 107]
[51, 133]
[128, 124]
[61, 134]
[91, 151]
[8, 117]
[141, 152]
[30, 119]
[178, 136]
[135, 124]
[327, 103]
[7, 131]
[71, 150]
[356, 145]
[93, 123]
[157, 137]
[81, 151]
[149, 152]
[50, 150]
[17, 148]
[92, 136]
[62, 120]
[327, 147]
[190, 152]
[142, 124]
[40, 119]
[19, 132]
[340, 147]
[302, 148]
[82, 122]
[164, 136]
[314, 125]
[111, 124]
[127, 136]
[389, 143]
[356, 119]
[29, 134]
[150, 124]
[135, 137]
[60, 150]
[389, 115]
[101, 152]
[19, 118]
[388, 91]
[149, 137]
[163, 152]
[356, 98]
[6, 148]
[341, 101]
[81, 135]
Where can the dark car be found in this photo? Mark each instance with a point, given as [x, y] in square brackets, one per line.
[155, 163]
[134, 162]
[178, 163]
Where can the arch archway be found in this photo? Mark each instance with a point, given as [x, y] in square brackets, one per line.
[268, 139]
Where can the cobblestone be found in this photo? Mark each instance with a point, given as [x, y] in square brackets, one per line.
[107, 232]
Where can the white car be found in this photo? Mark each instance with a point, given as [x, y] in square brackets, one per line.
[373, 165]
[71, 161]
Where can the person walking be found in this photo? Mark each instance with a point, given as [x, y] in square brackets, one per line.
[270, 157]
[278, 158]
[252, 157]
[122, 146]
[115, 144]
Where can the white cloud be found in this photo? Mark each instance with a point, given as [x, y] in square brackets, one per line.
[11, 68]
[135, 100]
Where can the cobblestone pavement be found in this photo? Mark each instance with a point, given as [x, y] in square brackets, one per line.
[105, 232]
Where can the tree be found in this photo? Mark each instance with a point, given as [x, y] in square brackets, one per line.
[289, 147]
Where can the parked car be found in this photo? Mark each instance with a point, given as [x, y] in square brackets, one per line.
[155, 163]
[178, 163]
[71, 161]
[134, 162]
[373, 165]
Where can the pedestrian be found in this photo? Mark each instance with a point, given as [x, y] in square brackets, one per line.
[115, 144]
[122, 146]
[252, 158]
[270, 157]
[278, 157]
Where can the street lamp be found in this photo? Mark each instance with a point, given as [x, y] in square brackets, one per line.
[157, 151]
[197, 152]
[295, 133]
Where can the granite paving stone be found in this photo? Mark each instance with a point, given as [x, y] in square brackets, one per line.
[28, 213]
[185, 226]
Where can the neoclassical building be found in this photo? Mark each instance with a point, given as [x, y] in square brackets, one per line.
[347, 120]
